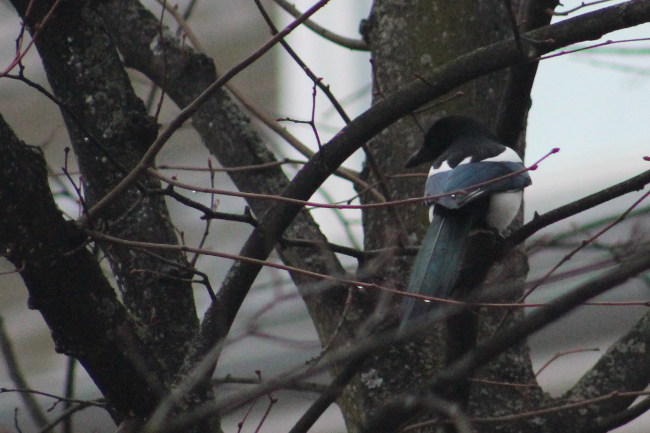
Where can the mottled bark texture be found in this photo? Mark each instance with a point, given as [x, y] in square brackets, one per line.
[408, 39]
[226, 131]
[110, 130]
[67, 286]
[405, 38]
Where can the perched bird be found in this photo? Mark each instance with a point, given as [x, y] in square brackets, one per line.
[466, 159]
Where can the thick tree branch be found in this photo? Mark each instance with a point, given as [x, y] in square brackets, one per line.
[605, 424]
[401, 410]
[67, 286]
[513, 111]
[625, 367]
[635, 183]
[227, 132]
[86, 73]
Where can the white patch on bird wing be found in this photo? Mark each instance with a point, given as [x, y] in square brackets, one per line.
[508, 155]
[503, 209]
[445, 166]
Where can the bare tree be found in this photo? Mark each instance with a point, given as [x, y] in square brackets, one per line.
[143, 344]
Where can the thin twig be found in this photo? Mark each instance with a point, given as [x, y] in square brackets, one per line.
[591, 47]
[17, 377]
[272, 402]
[561, 354]
[462, 191]
[98, 403]
[208, 213]
[155, 147]
[298, 386]
[17, 61]
[65, 415]
[208, 222]
[583, 244]
[353, 44]
[69, 391]
[337, 106]
[253, 167]
[580, 6]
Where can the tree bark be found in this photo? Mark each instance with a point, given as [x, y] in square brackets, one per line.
[68, 287]
[110, 130]
[406, 41]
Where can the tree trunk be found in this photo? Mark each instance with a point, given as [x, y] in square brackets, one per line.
[408, 40]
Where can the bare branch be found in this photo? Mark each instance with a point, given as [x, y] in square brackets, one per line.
[399, 412]
[68, 287]
[605, 424]
[540, 221]
[329, 396]
[189, 110]
[402, 408]
[16, 375]
[580, 6]
[352, 44]
[624, 367]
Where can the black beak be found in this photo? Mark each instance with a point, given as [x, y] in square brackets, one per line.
[418, 158]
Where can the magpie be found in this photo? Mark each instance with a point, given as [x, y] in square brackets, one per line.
[475, 184]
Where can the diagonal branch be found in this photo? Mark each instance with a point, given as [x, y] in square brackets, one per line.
[190, 109]
[624, 367]
[227, 133]
[353, 44]
[105, 103]
[68, 287]
[401, 410]
[540, 221]
[607, 423]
